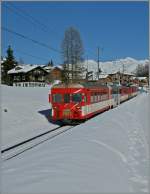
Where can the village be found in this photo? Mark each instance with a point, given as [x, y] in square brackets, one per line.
[32, 75]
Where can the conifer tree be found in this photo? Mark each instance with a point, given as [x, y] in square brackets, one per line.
[52, 64]
[8, 64]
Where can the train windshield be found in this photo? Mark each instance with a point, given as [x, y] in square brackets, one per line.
[66, 98]
[77, 97]
[57, 98]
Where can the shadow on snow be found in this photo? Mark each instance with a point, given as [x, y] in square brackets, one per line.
[48, 115]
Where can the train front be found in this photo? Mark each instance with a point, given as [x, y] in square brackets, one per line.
[67, 102]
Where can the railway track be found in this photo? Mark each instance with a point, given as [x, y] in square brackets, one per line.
[28, 144]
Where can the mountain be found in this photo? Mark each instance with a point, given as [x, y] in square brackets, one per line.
[128, 65]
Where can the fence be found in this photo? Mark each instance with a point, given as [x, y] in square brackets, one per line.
[30, 84]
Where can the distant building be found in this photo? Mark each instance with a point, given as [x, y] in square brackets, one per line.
[28, 75]
[55, 74]
[104, 79]
[48, 68]
[2, 66]
[141, 81]
[121, 78]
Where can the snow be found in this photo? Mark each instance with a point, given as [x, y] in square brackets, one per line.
[102, 76]
[108, 153]
[141, 78]
[50, 68]
[22, 69]
[27, 113]
[110, 67]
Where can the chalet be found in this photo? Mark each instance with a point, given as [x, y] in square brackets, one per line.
[104, 79]
[47, 68]
[141, 81]
[28, 75]
[121, 78]
[55, 74]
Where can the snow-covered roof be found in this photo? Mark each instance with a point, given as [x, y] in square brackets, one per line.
[140, 78]
[22, 69]
[50, 68]
[102, 76]
[47, 67]
[127, 73]
[113, 72]
[58, 66]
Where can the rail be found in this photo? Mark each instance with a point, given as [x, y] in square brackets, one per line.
[28, 144]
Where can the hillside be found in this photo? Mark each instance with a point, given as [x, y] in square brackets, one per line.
[129, 64]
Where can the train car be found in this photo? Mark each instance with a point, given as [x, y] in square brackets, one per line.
[79, 101]
[123, 93]
[128, 92]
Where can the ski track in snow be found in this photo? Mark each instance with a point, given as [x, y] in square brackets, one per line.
[118, 153]
[138, 154]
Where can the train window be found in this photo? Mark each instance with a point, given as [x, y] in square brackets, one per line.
[66, 98]
[57, 98]
[76, 97]
[96, 97]
[85, 98]
[92, 98]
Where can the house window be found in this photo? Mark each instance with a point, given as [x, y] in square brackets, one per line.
[23, 77]
[17, 78]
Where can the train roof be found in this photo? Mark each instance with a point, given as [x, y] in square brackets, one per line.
[80, 85]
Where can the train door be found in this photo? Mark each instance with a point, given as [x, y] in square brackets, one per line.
[116, 95]
[85, 107]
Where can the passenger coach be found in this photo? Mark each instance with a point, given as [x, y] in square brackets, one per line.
[79, 101]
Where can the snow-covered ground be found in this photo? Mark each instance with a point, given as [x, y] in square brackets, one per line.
[109, 153]
[27, 113]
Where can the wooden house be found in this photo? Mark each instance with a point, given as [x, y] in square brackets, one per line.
[27, 75]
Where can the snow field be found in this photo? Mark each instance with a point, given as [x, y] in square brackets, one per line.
[25, 116]
[108, 153]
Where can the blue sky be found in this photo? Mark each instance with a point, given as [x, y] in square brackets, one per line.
[121, 28]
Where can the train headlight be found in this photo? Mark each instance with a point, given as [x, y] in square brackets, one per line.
[78, 107]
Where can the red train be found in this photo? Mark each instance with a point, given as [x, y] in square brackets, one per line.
[75, 102]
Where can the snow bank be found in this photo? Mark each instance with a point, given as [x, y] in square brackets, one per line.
[25, 113]
[108, 153]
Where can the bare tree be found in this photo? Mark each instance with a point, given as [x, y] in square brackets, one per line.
[72, 52]
[142, 70]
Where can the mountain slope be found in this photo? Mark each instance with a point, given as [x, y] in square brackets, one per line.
[128, 65]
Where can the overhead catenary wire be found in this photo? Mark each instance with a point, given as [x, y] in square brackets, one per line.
[29, 18]
[19, 14]
[30, 39]
[33, 56]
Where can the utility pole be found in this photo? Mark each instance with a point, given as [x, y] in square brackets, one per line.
[87, 64]
[98, 62]
[123, 67]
